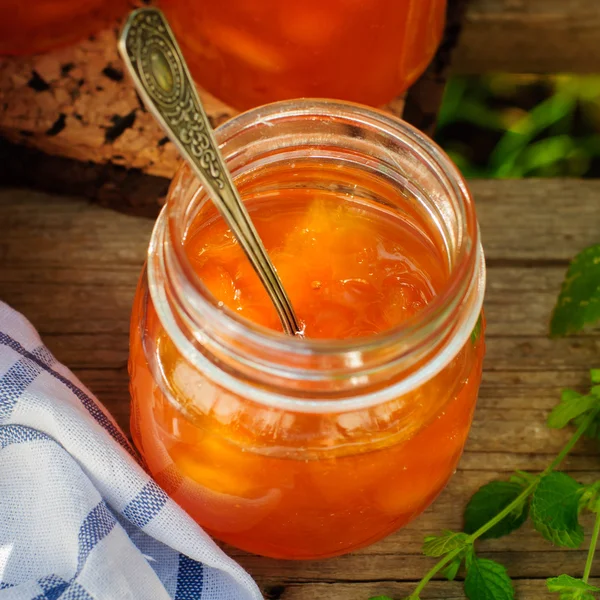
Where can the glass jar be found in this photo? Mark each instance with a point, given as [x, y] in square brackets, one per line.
[300, 448]
[40, 25]
[250, 52]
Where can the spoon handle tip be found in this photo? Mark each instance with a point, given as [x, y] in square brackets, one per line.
[160, 74]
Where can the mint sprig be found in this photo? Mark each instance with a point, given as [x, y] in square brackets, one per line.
[552, 499]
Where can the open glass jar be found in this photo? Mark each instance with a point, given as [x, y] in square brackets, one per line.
[313, 447]
[250, 52]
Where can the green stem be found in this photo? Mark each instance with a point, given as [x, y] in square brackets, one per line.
[592, 550]
[531, 487]
[516, 502]
[440, 565]
[507, 509]
[574, 439]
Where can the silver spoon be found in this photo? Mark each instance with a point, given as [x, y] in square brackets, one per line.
[163, 81]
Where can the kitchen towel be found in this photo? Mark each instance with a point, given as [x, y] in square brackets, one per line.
[80, 519]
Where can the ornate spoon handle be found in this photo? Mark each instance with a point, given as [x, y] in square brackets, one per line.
[163, 81]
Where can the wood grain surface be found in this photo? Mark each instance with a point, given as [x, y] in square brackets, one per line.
[530, 36]
[71, 268]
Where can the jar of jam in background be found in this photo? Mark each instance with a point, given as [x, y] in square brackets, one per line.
[35, 26]
[250, 52]
[314, 447]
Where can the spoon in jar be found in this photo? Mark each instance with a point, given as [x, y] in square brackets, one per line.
[163, 81]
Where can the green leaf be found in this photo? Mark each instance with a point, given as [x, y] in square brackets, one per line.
[506, 154]
[451, 570]
[595, 376]
[544, 153]
[570, 588]
[488, 501]
[488, 580]
[388, 598]
[572, 405]
[438, 545]
[555, 509]
[578, 304]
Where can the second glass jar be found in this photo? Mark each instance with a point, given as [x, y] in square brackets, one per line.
[250, 52]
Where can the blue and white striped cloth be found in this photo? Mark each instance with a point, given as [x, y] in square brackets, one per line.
[79, 517]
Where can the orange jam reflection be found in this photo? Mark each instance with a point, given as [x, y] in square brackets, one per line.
[301, 485]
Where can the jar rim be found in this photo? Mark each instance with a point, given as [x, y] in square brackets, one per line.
[469, 259]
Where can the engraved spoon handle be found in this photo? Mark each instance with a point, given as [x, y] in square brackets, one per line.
[163, 81]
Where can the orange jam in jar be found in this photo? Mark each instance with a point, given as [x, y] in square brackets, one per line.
[250, 52]
[312, 447]
[36, 26]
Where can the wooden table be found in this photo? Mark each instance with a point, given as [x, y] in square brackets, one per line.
[71, 267]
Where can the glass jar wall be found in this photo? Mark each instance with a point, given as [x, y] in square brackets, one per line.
[306, 448]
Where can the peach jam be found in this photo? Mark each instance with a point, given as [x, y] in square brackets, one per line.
[312, 447]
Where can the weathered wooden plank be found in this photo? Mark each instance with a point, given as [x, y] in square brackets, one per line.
[514, 394]
[545, 219]
[530, 36]
[63, 260]
[84, 350]
[502, 421]
[510, 306]
[526, 589]
[63, 316]
[521, 221]
[397, 565]
[511, 303]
